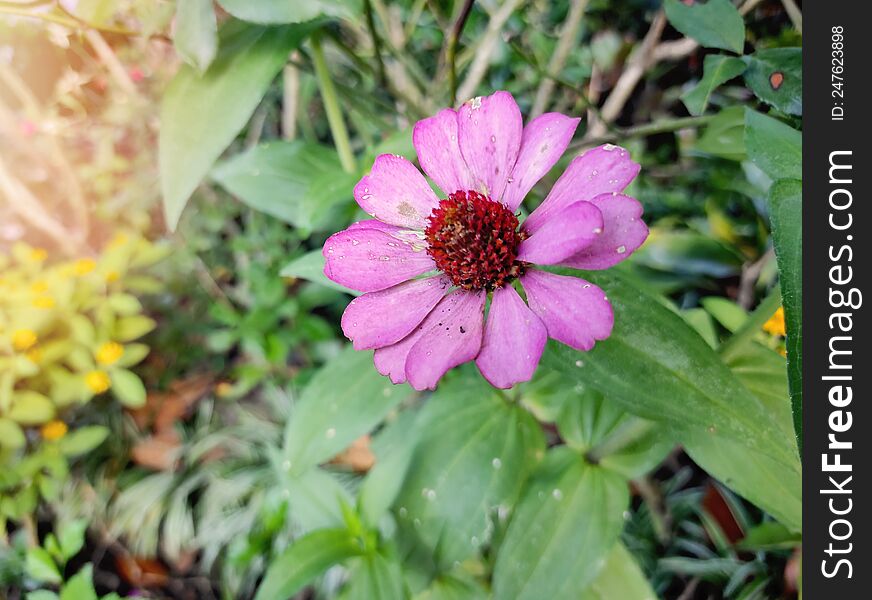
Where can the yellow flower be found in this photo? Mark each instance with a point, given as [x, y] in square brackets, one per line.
[24, 339]
[83, 266]
[775, 324]
[782, 352]
[43, 302]
[119, 240]
[39, 287]
[54, 430]
[34, 355]
[112, 276]
[38, 254]
[97, 381]
[109, 353]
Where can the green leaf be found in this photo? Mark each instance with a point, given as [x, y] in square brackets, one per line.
[83, 440]
[307, 558]
[564, 526]
[689, 253]
[587, 419]
[775, 76]
[451, 587]
[127, 387]
[382, 484]
[773, 146]
[346, 399]
[785, 211]
[11, 434]
[41, 595]
[725, 135]
[80, 586]
[620, 579]
[726, 312]
[718, 69]
[71, 538]
[714, 23]
[375, 576]
[201, 115]
[474, 452]
[31, 408]
[316, 498]
[769, 536]
[277, 11]
[686, 384]
[310, 267]
[130, 328]
[39, 564]
[196, 32]
[296, 182]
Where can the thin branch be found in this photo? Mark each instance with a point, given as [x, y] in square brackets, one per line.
[794, 13]
[664, 126]
[376, 41]
[638, 63]
[480, 63]
[451, 48]
[290, 100]
[73, 22]
[22, 201]
[107, 57]
[565, 44]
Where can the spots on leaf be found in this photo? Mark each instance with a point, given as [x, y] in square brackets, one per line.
[776, 79]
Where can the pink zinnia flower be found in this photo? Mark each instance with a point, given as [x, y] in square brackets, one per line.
[485, 161]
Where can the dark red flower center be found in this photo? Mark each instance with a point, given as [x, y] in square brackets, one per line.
[474, 241]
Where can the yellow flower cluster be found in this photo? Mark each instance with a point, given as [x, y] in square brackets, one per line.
[68, 330]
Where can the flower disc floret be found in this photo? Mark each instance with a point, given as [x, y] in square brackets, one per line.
[474, 241]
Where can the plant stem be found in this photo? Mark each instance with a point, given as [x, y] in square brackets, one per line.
[451, 48]
[332, 108]
[654, 128]
[630, 431]
[376, 41]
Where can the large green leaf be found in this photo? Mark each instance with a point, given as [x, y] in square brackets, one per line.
[346, 399]
[296, 182]
[785, 211]
[201, 115]
[306, 559]
[689, 253]
[775, 76]
[773, 146]
[658, 367]
[196, 32]
[620, 579]
[474, 452]
[563, 528]
[286, 11]
[714, 23]
[717, 70]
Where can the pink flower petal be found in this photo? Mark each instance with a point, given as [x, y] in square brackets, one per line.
[452, 335]
[623, 232]
[514, 338]
[574, 311]
[490, 131]
[571, 230]
[369, 260]
[435, 140]
[601, 170]
[385, 317]
[395, 192]
[544, 141]
[391, 360]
